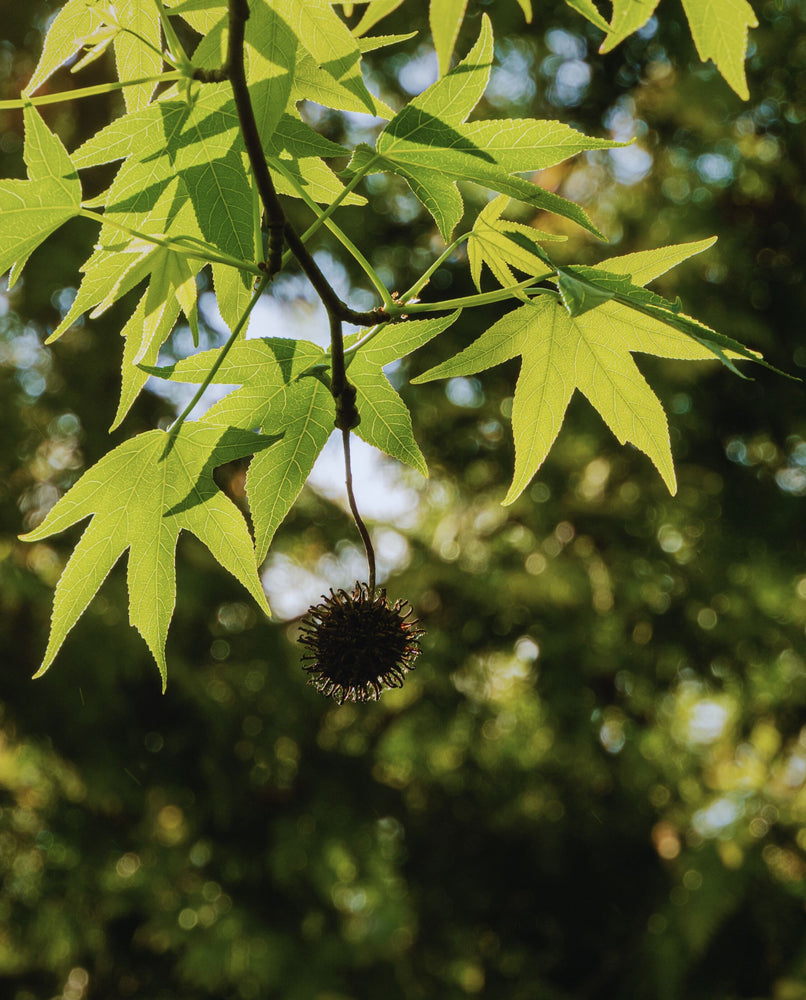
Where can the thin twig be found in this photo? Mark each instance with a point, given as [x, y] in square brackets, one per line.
[347, 417]
[275, 217]
[362, 528]
[280, 230]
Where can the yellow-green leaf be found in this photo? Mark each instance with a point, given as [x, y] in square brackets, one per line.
[141, 495]
[719, 29]
[628, 16]
[587, 9]
[491, 243]
[31, 210]
[590, 352]
[445, 17]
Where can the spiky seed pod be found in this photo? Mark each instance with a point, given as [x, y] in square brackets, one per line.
[358, 644]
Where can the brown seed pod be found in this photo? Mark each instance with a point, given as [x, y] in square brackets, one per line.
[358, 643]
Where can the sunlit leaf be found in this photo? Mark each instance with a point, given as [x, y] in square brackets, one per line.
[628, 16]
[491, 243]
[31, 210]
[445, 17]
[141, 495]
[430, 144]
[590, 351]
[588, 9]
[719, 29]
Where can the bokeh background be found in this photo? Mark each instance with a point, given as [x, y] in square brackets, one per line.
[594, 783]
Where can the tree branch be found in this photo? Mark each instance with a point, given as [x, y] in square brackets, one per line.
[279, 228]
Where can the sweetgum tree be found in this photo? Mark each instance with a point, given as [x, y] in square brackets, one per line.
[590, 785]
[210, 149]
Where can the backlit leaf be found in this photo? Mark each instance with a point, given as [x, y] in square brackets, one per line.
[445, 17]
[430, 144]
[628, 16]
[141, 497]
[31, 210]
[719, 29]
[590, 352]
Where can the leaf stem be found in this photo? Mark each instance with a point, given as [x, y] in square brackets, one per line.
[208, 378]
[424, 278]
[99, 88]
[178, 244]
[176, 52]
[322, 218]
[369, 335]
[469, 301]
[347, 417]
[359, 523]
[342, 237]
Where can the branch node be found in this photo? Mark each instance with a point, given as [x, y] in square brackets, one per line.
[347, 416]
[211, 75]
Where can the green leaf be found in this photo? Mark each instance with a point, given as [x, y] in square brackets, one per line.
[445, 18]
[520, 144]
[142, 496]
[491, 243]
[135, 59]
[183, 158]
[172, 287]
[628, 16]
[583, 288]
[330, 44]
[590, 352]
[272, 397]
[373, 12]
[66, 35]
[281, 393]
[526, 7]
[274, 483]
[430, 145]
[385, 419]
[578, 295]
[312, 83]
[202, 15]
[31, 210]
[272, 54]
[719, 29]
[374, 42]
[587, 9]
[133, 378]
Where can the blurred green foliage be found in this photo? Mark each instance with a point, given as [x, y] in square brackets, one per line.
[594, 784]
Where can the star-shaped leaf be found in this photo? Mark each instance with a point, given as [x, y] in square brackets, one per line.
[491, 242]
[277, 396]
[31, 210]
[718, 27]
[431, 145]
[74, 23]
[590, 351]
[283, 391]
[141, 495]
[118, 266]
[132, 25]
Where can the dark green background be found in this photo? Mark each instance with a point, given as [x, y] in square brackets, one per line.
[621, 816]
